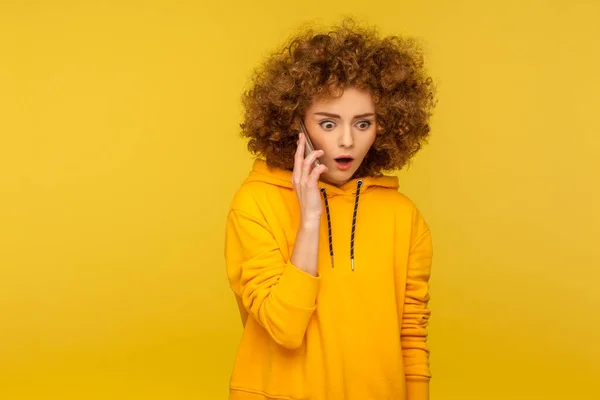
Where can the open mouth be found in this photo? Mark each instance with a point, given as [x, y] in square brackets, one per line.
[344, 162]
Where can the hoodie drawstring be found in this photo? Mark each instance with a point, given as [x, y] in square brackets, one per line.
[359, 184]
[328, 224]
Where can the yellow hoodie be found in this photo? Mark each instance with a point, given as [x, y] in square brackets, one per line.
[357, 331]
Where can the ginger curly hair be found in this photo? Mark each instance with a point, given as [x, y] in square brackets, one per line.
[316, 65]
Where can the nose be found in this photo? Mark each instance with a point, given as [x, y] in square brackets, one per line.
[346, 138]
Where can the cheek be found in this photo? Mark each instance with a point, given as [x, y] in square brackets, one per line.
[373, 133]
[368, 141]
[372, 138]
[327, 146]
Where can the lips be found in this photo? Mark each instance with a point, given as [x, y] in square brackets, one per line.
[344, 162]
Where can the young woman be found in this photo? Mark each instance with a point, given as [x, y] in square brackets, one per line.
[330, 264]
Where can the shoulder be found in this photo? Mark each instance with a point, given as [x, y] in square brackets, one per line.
[394, 200]
[406, 213]
[251, 197]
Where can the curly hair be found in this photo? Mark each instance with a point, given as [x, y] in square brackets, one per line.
[319, 65]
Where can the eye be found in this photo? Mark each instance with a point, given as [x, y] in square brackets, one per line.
[364, 125]
[327, 125]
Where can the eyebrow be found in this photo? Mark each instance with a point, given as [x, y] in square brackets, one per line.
[325, 114]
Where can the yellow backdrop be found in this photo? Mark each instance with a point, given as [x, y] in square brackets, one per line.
[119, 154]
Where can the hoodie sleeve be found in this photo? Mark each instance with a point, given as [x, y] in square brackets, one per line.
[280, 296]
[416, 312]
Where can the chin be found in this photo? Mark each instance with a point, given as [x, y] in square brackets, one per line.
[339, 177]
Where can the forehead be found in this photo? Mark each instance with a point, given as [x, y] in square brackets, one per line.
[350, 101]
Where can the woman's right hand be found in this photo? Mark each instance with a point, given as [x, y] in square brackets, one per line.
[305, 179]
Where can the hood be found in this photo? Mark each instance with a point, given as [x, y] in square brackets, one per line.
[261, 172]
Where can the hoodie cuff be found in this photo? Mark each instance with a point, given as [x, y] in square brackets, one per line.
[417, 389]
[297, 287]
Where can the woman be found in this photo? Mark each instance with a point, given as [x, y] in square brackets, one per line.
[330, 264]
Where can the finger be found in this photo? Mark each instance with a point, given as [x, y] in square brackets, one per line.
[309, 163]
[299, 155]
[298, 158]
[316, 173]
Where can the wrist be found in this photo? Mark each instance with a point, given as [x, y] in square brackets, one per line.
[310, 224]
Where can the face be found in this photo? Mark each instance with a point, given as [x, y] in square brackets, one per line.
[344, 128]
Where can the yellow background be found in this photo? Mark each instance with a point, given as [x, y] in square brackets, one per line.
[119, 154]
